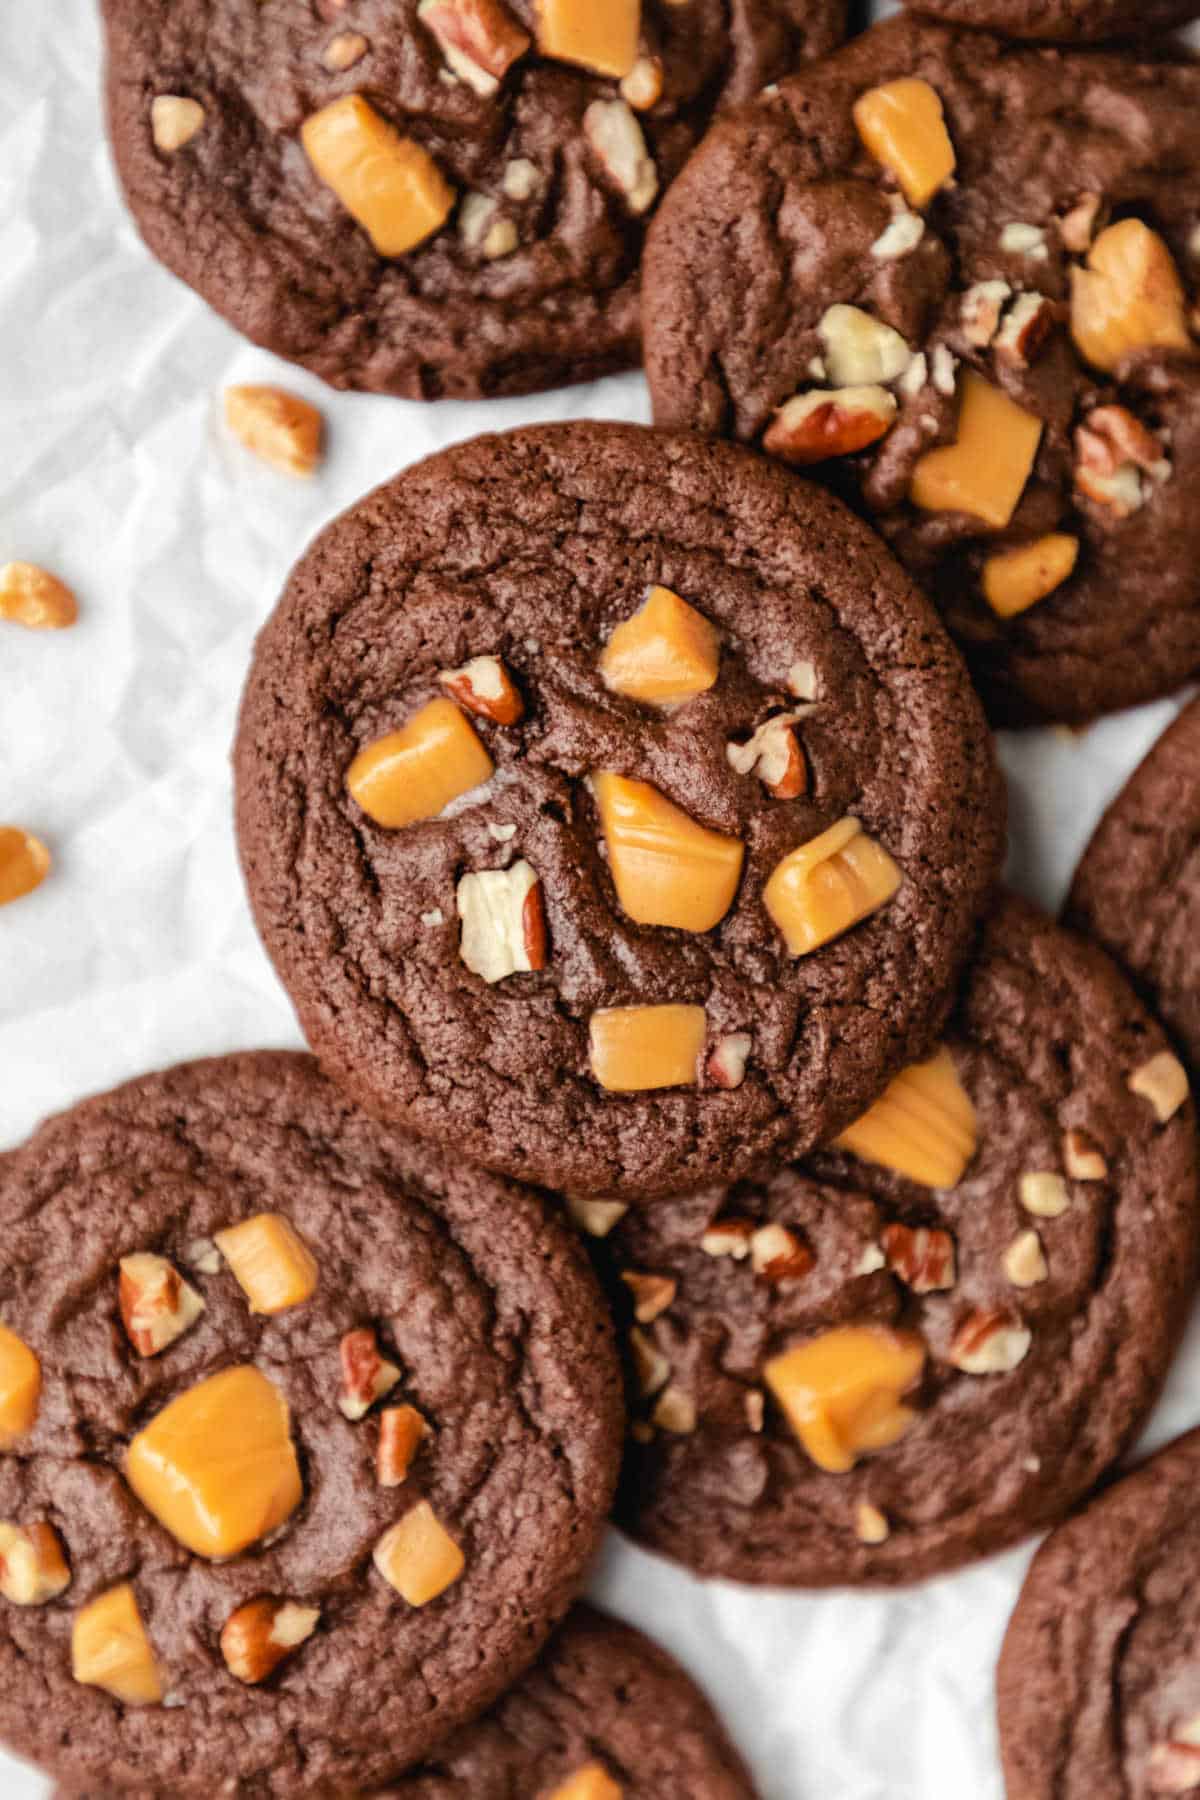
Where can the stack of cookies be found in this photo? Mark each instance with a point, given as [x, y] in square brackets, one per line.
[696, 1134]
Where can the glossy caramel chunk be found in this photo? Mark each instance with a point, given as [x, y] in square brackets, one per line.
[665, 654]
[600, 35]
[667, 869]
[985, 470]
[418, 1557]
[842, 1391]
[34, 598]
[110, 1649]
[411, 774]
[1015, 580]
[904, 128]
[24, 863]
[637, 1048]
[829, 884]
[217, 1466]
[20, 1388]
[1128, 298]
[272, 1264]
[592, 1782]
[388, 183]
[922, 1126]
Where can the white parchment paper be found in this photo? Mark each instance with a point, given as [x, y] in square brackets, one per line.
[114, 742]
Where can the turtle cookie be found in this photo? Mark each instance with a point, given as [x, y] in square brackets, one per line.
[1137, 888]
[427, 197]
[1065, 21]
[924, 1344]
[1099, 1677]
[612, 807]
[956, 279]
[604, 1715]
[291, 1408]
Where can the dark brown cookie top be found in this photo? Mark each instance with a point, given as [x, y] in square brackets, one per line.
[497, 1337]
[1004, 1335]
[1099, 1677]
[1137, 888]
[1005, 334]
[424, 993]
[1065, 21]
[602, 1698]
[533, 176]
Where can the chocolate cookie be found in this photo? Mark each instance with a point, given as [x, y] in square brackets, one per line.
[438, 198]
[612, 807]
[1067, 21]
[920, 1346]
[1099, 1682]
[955, 279]
[1137, 888]
[296, 1413]
[604, 1715]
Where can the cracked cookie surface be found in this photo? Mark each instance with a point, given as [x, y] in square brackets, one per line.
[1032, 1306]
[493, 1329]
[935, 239]
[527, 553]
[533, 204]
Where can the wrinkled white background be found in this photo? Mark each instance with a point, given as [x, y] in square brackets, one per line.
[114, 743]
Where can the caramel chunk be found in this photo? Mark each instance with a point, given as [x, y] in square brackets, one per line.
[34, 598]
[842, 1391]
[279, 427]
[261, 1635]
[600, 35]
[174, 121]
[24, 863]
[272, 1264]
[20, 1388]
[592, 1782]
[217, 1466]
[667, 869]
[157, 1305]
[411, 774]
[418, 1557]
[923, 1125]
[985, 470]
[33, 1569]
[1015, 580]
[388, 183]
[637, 1048]
[1128, 298]
[1163, 1082]
[829, 884]
[110, 1649]
[666, 653]
[903, 127]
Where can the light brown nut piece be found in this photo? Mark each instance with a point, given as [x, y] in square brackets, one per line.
[202, 1255]
[842, 1391]
[174, 121]
[110, 1649]
[1162, 1080]
[596, 1217]
[827, 886]
[989, 1343]
[728, 1237]
[823, 423]
[503, 922]
[1173, 1766]
[1118, 461]
[617, 140]
[389, 184]
[24, 863]
[521, 179]
[900, 238]
[1129, 297]
[1082, 1159]
[652, 1294]
[480, 40]
[651, 1367]
[923, 1125]
[778, 1255]
[279, 427]
[484, 687]
[637, 1049]
[727, 1060]
[1028, 327]
[643, 85]
[985, 470]
[675, 1411]
[870, 1525]
[20, 1388]
[665, 654]
[1043, 1193]
[271, 1263]
[754, 1407]
[401, 1429]
[411, 774]
[157, 1304]
[603, 38]
[34, 598]
[343, 51]
[418, 1557]
[1025, 1260]
[860, 350]
[264, 1633]
[33, 1568]
[903, 127]
[980, 311]
[1015, 580]
[773, 753]
[366, 1374]
[922, 1258]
